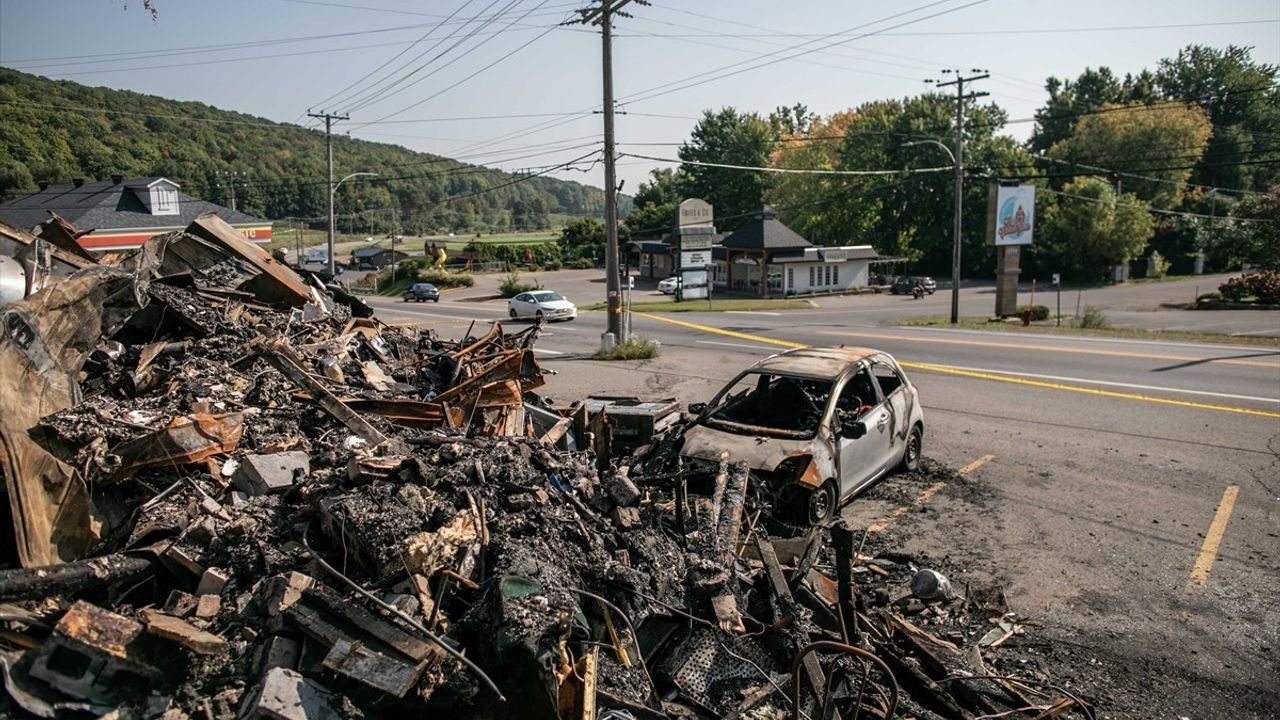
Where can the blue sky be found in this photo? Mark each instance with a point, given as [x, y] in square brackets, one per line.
[557, 73]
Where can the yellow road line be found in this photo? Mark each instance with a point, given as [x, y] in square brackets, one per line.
[887, 520]
[923, 497]
[932, 340]
[930, 367]
[976, 464]
[721, 331]
[1212, 539]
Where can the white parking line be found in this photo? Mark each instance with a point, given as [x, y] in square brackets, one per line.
[737, 345]
[548, 352]
[1133, 386]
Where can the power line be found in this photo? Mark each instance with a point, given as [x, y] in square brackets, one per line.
[737, 68]
[790, 171]
[371, 95]
[536, 38]
[395, 57]
[1003, 32]
[1148, 208]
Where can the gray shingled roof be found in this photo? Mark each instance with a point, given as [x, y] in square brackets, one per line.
[106, 205]
[765, 232]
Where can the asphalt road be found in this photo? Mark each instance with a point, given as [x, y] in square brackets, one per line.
[1135, 485]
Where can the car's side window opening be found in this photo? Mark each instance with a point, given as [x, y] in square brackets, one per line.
[777, 402]
[888, 378]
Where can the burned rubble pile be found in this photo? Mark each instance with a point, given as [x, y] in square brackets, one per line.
[236, 494]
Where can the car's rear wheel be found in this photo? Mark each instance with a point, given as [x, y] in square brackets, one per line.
[911, 454]
[512, 313]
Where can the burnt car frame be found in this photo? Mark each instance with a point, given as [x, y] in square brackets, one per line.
[816, 425]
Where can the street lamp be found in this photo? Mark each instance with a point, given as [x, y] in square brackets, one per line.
[955, 237]
[333, 191]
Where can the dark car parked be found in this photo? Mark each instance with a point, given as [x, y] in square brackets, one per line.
[422, 292]
[903, 285]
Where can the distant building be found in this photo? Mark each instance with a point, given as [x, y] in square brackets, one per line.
[123, 212]
[377, 257]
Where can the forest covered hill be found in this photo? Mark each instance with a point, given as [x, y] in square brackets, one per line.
[54, 130]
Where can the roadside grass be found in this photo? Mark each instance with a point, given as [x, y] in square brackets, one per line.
[633, 349]
[1048, 328]
[713, 306]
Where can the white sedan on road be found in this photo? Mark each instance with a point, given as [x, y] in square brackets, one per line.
[541, 305]
[668, 286]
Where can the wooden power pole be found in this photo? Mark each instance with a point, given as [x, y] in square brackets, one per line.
[961, 96]
[328, 145]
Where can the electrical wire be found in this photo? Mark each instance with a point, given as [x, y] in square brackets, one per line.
[395, 57]
[373, 93]
[437, 94]
[792, 171]
[773, 57]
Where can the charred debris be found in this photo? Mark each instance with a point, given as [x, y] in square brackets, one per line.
[234, 493]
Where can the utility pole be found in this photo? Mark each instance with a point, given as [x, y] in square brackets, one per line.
[961, 96]
[603, 16]
[328, 144]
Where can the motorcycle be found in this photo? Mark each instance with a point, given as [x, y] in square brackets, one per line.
[917, 292]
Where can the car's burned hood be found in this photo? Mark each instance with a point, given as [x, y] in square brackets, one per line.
[759, 451]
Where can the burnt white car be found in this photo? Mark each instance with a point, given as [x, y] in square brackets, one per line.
[816, 425]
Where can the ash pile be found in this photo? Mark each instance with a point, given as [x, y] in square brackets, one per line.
[235, 494]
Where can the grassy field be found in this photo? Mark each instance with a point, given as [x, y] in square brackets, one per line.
[1049, 328]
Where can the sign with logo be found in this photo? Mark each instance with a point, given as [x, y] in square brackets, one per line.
[694, 212]
[1013, 217]
[834, 254]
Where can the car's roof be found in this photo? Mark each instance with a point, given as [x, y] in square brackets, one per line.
[818, 362]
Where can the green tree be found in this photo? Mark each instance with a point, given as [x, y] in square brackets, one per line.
[1090, 229]
[1069, 100]
[1251, 234]
[733, 138]
[583, 238]
[908, 215]
[1162, 142]
[656, 202]
[1243, 102]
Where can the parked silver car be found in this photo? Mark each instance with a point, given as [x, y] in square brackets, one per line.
[816, 425]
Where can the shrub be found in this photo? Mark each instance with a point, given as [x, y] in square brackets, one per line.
[633, 349]
[1038, 312]
[442, 278]
[1263, 286]
[1094, 319]
[512, 285]
[581, 264]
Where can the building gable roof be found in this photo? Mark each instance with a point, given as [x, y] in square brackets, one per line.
[765, 231]
[111, 205]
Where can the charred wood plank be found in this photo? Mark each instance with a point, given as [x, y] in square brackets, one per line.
[75, 576]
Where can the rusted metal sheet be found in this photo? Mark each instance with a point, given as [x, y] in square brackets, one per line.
[187, 439]
[44, 340]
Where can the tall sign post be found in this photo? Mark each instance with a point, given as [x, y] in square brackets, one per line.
[694, 233]
[1011, 221]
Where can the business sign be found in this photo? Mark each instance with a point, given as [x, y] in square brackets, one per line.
[834, 254]
[699, 241]
[1012, 216]
[694, 212]
[698, 258]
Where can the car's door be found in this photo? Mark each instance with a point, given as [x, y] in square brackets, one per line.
[520, 304]
[891, 384]
[860, 459]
